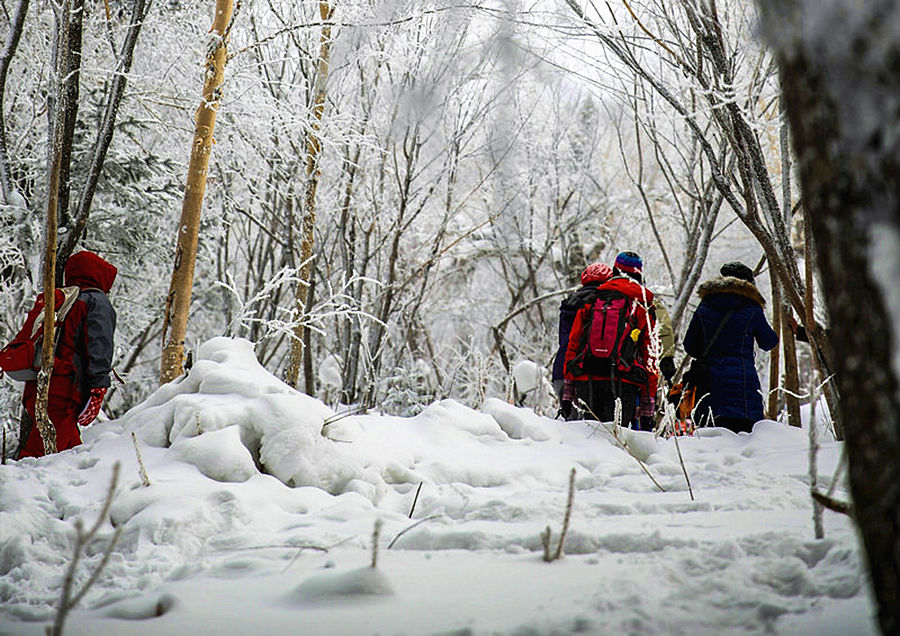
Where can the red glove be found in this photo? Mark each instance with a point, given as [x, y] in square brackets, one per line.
[93, 406]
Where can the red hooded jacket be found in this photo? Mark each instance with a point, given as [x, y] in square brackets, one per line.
[83, 354]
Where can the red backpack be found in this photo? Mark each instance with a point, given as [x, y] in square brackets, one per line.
[611, 338]
[21, 358]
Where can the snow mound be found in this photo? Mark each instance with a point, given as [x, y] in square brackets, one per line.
[528, 375]
[331, 586]
[142, 608]
[219, 455]
[228, 390]
[516, 422]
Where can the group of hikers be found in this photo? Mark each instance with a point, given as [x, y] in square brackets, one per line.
[616, 344]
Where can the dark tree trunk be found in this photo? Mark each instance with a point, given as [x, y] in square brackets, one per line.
[72, 82]
[840, 96]
[139, 12]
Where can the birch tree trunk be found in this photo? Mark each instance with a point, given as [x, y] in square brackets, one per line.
[178, 301]
[313, 150]
[840, 95]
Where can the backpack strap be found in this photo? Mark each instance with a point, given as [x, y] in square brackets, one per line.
[70, 295]
[578, 361]
[718, 330]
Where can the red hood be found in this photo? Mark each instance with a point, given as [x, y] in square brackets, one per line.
[86, 269]
[630, 288]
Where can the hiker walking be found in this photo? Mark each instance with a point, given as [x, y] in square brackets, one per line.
[83, 356]
[608, 354]
[591, 278]
[720, 336]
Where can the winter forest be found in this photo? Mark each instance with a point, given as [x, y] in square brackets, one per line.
[384, 203]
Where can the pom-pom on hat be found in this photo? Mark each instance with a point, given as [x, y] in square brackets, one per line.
[629, 263]
[596, 273]
[738, 270]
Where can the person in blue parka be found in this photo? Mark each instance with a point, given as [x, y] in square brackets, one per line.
[730, 384]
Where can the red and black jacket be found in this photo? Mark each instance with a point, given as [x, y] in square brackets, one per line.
[85, 341]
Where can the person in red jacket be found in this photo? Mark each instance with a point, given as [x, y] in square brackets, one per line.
[598, 382]
[592, 277]
[83, 357]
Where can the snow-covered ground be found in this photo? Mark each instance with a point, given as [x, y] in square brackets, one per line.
[262, 503]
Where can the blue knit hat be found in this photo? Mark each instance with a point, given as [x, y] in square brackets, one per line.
[629, 263]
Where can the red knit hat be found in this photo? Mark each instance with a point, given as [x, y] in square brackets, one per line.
[596, 273]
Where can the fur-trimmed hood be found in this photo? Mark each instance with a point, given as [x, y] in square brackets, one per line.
[731, 285]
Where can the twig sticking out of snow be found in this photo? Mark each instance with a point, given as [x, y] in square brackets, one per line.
[835, 505]
[339, 416]
[545, 535]
[565, 526]
[818, 527]
[408, 528]
[667, 426]
[140, 460]
[415, 499]
[841, 465]
[821, 499]
[683, 467]
[301, 548]
[376, 534]
[545, 541]
[66, 601]
[614, 431]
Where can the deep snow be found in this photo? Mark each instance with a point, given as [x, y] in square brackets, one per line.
[260, 513]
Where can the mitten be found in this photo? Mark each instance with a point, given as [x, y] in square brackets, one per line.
[667, 366]
[92, 408]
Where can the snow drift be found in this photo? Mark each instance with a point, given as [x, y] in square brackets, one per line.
[260, 511]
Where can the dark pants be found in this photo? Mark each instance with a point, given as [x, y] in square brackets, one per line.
[600, 396]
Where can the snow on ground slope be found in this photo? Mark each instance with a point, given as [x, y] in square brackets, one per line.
[262, 502]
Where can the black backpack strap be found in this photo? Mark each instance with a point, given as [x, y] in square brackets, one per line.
[578, 360]
[718, 330]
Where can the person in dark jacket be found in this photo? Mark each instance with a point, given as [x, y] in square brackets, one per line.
[731, 386]
[592, 277]
[83, 357]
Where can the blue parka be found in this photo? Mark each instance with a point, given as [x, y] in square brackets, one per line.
[734, 389]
